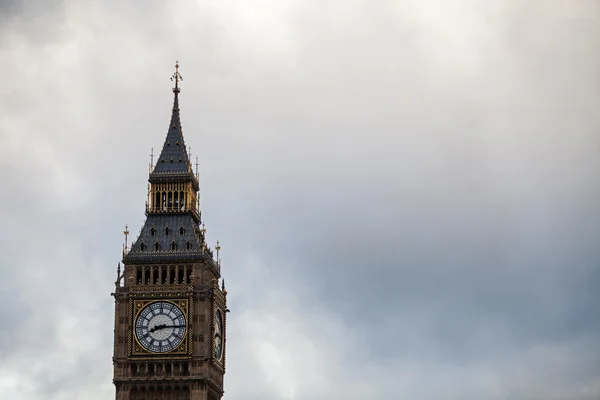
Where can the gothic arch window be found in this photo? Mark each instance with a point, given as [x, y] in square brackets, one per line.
[180, 275]
[152, 232]
[181, 231]
[172, 272]
[173, 246]
[170, 200]
[188, 246]
[182, 200]
[138, 277]
[155, 276]
[164, 275]
[156, 246]
[157, 201]
[142, 246]
[164, 201]
[167, 230]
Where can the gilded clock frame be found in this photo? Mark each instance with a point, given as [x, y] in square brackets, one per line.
[219, 303]
[184, 348]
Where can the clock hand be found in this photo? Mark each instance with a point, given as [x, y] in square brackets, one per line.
[164, 326]
[157, 327]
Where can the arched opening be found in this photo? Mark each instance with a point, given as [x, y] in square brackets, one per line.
[181, 231]
[172, 275]
[147, 275]
[168, 369]
[188, 276]
[167, 230]
[152, 232]
[182, 201]
[134, 369]
[138, 277]
[170, 205]
[157, 201]
[173, 246]
[164, 201]
[180, 275]
[142, 246]
[156, 246]
[176, 200]
[164, 275]
[188, 246]
[150, 369]
[155, 276]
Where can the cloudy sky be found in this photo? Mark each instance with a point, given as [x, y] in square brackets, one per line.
[406, 192]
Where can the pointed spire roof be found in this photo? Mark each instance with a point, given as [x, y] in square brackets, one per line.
[174, 155]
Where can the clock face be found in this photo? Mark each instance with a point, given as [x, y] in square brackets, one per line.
[160, 327]
[218, 340]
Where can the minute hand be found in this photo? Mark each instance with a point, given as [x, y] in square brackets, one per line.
[170, 326]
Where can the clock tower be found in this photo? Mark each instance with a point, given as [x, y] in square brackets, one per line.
[170, 310]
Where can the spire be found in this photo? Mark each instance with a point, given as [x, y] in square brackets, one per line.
[174, 156]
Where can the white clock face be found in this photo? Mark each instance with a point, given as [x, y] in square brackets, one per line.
[160, 327]
[218, 341]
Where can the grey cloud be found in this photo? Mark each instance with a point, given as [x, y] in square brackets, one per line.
[406, 193]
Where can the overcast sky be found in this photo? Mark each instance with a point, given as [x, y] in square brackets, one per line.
[406, 192]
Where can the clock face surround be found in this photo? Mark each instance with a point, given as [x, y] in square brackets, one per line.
[218, 338]
[160, 327]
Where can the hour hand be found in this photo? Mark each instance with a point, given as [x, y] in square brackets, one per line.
[164, 326]
[157, 327]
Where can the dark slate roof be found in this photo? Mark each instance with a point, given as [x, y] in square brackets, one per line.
[143, 248]
[174, 156]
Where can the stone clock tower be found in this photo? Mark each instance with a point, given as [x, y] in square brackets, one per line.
[170, 311]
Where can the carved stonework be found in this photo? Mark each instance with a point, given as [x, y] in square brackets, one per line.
[160, 395]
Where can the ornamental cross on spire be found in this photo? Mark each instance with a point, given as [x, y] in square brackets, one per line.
[176, 77]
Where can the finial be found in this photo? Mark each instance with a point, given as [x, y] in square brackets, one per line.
[126, 233]
[176, 77]
[151, 158]
[203, 230]
[196, 166]
[218, 247]
[118, 281]
[223, 285]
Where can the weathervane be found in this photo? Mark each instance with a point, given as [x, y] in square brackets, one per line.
[176, 77]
